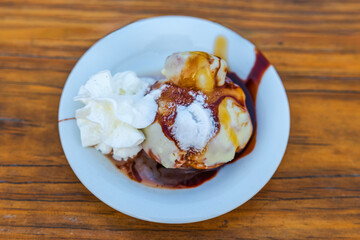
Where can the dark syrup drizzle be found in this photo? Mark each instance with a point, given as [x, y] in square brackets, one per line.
[145, 170]
[66, 119]
[250, 87]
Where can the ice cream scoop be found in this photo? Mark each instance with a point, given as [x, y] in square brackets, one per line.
[202, 119]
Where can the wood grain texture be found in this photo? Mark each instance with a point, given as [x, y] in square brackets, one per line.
[315, 46]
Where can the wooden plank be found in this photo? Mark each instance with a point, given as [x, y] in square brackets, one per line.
[313, 44]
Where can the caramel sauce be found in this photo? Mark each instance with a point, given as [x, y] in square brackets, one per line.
[145, 170]
[220, 47]
[225, 121]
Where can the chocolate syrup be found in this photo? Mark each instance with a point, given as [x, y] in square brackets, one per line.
[145, 170]
[66, 119]
[250, 87]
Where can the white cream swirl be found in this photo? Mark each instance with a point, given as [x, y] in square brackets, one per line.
[115, 110]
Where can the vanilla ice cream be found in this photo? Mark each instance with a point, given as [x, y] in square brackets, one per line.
[116, 108]
[202, 120]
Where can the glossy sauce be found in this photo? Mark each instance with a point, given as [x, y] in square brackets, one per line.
[220, 47]
[145, 170]
[250, 87]
[66, 119]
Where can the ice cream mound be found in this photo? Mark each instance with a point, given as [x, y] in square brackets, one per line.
[201, 120]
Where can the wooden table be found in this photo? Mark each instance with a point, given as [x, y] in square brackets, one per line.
[315, 46]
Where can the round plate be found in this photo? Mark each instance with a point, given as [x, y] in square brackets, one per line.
[143, 46]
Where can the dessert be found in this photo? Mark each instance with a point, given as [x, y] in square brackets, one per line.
[202, 119]
[175, 132]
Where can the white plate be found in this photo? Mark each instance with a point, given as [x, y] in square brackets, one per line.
[142, 46]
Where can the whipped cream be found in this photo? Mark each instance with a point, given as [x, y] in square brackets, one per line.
[116, 108]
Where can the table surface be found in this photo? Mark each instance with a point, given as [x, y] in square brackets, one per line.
[315, 46]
